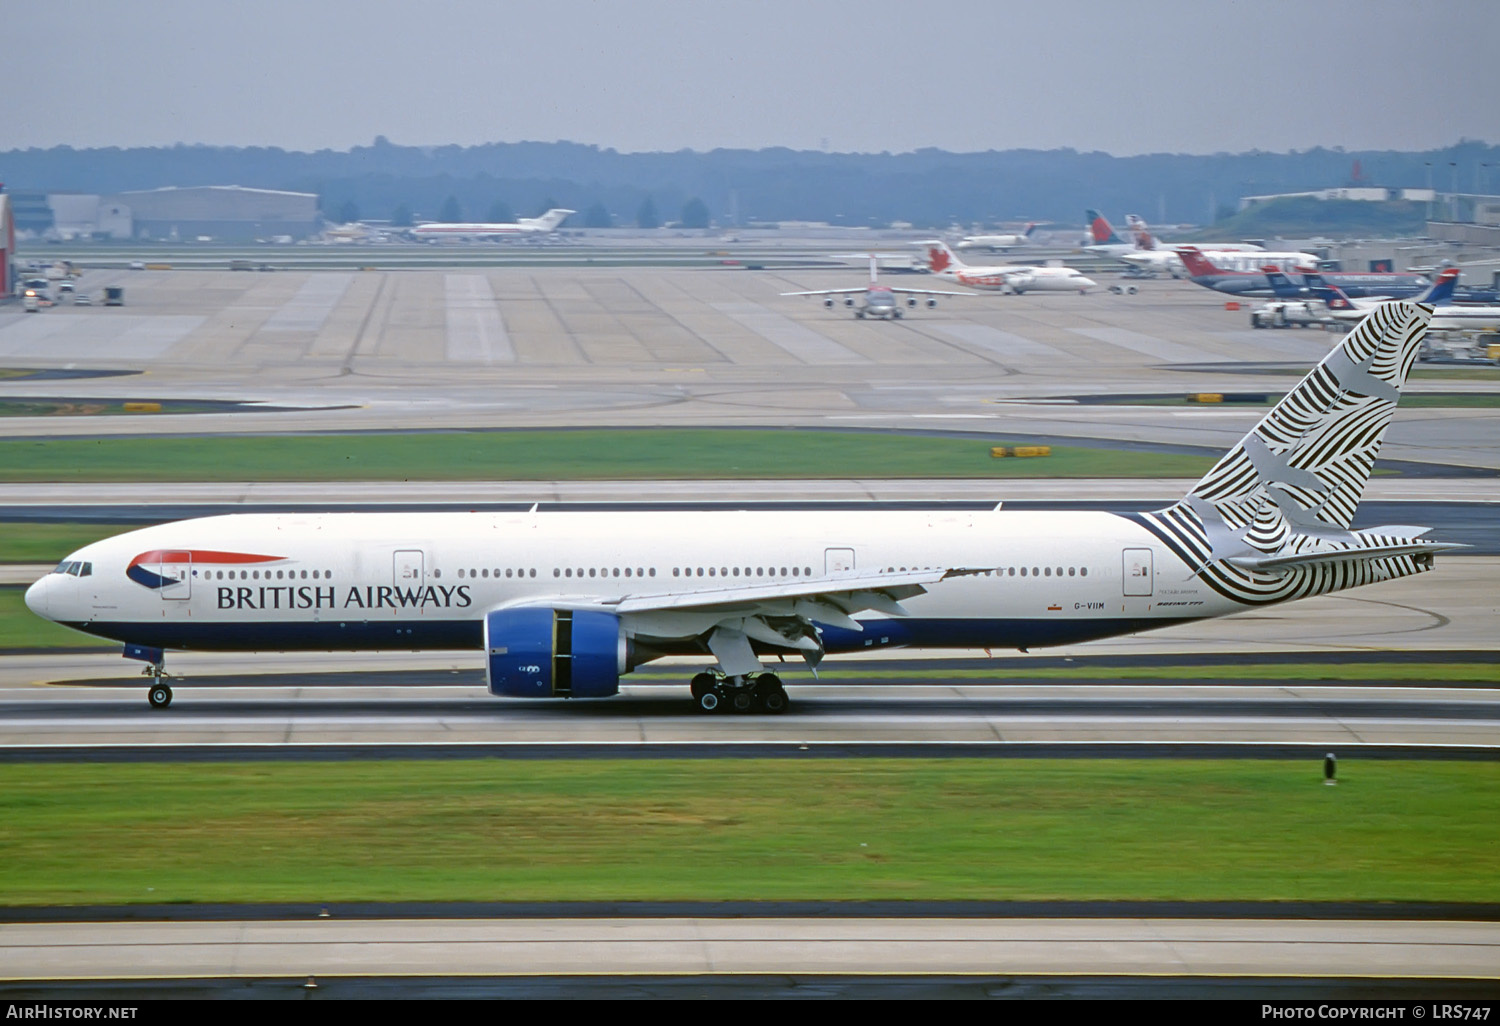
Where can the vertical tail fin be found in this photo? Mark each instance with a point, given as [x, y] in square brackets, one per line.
[1442, 288]
[940, 258]
[1332, 296]
[1282, 287]
[1271, 520]
[1198, 265]
[552, 218]
[1100, 229]
[1031, 226]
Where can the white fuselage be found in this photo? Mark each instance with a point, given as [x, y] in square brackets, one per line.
[1470, 317]
[992, 241]
[1020, 278]
[1228, 260]
[270, 582]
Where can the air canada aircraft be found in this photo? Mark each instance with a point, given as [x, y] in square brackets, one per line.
[942, 262]
[562, 604]
[880, 300]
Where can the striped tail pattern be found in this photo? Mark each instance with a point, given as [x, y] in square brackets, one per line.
[1271, 521]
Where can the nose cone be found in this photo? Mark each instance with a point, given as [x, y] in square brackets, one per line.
[1087, 283]
[38, 598]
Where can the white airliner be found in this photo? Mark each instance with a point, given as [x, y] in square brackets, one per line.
[532, 227]
[999, 242]
[562, 604]
[1143, 250]
[1017, 278]
[880, 300]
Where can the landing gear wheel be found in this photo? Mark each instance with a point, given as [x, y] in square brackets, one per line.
[702, 684]
[708, 701]
[159, 695]
[774, 700]
[742, 701]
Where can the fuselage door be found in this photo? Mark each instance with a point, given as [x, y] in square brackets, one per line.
[836, 560]
[410, 568]
[176, 568]
[1138, 575]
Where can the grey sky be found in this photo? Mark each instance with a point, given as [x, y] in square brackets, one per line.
[1124, 76]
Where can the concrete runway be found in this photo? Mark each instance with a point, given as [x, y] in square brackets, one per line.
[720, 947]
[648, 346]
[357, 721]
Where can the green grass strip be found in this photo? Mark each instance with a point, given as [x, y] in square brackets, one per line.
[21, 628]
[30, 542]
[526, 455]
[977, 829]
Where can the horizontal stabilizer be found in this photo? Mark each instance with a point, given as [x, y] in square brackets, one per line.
[1356, 553]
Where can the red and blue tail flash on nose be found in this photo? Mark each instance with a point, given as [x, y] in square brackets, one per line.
[137, 572]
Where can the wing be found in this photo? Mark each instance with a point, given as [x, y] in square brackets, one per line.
[780, 614]
[929, 292]
[830, 292]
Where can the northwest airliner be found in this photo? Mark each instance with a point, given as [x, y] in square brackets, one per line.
[563, 604]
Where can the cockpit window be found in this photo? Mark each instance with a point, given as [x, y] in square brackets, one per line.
[75, 568]
[85, 569]
[62, 567]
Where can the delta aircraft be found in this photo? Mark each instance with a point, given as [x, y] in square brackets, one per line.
[1016, 278]
[880, 300]
[1145, 253]
[526, 227]
[563, 604]
[1159, 258]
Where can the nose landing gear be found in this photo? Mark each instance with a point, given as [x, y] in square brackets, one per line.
[159, 694]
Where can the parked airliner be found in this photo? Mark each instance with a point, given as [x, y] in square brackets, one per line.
[562, 604]
[999, 242]
[526, 227]
[1017, 278]
[1251, 280]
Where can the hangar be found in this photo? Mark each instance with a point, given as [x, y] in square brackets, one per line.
[219, 212]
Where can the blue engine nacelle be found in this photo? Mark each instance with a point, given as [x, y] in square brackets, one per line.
[554, 653]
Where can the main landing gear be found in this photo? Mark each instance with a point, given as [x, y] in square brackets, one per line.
[759, 692]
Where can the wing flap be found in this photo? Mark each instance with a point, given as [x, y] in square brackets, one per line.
[881, 586]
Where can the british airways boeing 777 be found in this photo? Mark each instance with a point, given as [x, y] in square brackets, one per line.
[563, 604]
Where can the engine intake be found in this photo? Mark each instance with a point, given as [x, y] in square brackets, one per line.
[554, 653]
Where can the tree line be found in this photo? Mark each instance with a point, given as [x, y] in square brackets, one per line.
[926, 187]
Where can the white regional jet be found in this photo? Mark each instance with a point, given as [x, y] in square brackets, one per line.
[562, 604]
[526, 227]
[880, 300]
[1017, 278]
[998, 242]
